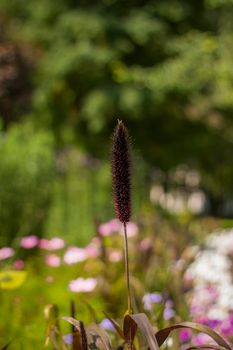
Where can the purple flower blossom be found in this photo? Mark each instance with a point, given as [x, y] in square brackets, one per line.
[68, 338]
[150, 299]
[107, 325]
[168, 313]
[29, 242]
[6, 252]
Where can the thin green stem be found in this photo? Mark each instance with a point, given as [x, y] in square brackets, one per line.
[127, 267]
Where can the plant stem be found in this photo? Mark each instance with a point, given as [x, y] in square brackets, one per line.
[127, 267]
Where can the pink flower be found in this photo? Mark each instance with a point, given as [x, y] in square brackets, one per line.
[29, 242]
[227, 328]
[6, 252]
[53, 260]
[132, 229]
[19, 264]
[201, 339]
[74, 255]
[115, 255]
[114, 225]
[52, 244]
[93, 249]
[108, 228]
[146, 244]
[49, 279]
[82, 285]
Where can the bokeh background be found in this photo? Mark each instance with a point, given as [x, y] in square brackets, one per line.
[68, 70]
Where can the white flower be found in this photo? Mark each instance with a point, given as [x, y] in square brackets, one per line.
[82, 285]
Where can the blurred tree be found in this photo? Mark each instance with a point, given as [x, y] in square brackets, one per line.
[14, 83]
[26, 177]
[164, 66]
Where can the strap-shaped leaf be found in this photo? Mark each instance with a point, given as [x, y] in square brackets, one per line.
[206, 346]
[72, 321]
[94, 332]
[163, 334]
[129, 329]
[103, 341]
[146, 329]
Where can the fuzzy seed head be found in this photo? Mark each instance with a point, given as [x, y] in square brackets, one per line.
[121, 171]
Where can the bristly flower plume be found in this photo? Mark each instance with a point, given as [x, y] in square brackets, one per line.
[121, 171]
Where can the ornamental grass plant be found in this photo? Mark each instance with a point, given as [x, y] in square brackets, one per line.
[135, 330]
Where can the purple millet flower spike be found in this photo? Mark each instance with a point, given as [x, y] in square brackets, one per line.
[121, 171]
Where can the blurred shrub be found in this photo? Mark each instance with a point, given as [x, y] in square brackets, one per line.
[26, 169]
[82, 195]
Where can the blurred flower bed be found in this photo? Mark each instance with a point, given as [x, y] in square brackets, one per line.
[171, 281]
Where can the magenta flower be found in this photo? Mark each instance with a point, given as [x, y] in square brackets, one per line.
[52, 244]
[74, 255]
[185, 335]
[53, 260]
[6, 252]
[29, 242]
[82, 285]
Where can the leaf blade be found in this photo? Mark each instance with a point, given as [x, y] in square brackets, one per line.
[163, 334]
[146, 329]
